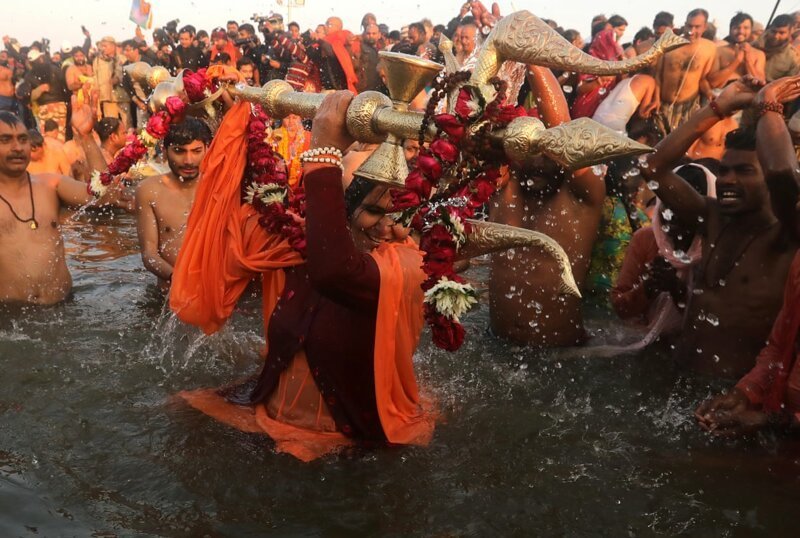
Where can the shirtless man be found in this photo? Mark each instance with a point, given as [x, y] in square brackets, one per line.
[681, 74]
[524, 299]
[79, 75]
[32, 259]
[746, 249]
[8, 101]
[738, 57]
[163, 202]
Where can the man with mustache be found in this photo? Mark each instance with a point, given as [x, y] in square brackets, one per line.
[32, 257]
[163, 202]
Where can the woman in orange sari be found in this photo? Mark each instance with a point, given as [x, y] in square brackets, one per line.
[342, 325]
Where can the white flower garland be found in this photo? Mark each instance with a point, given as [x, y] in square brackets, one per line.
[451, 299]
[96, 186]
[268, 193]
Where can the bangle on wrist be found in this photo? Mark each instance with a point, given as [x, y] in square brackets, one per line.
[317, 152]
[325, 159]
[770, 106]
[714, 106]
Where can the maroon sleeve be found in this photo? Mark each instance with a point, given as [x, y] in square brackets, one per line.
[628, 296]
[337, 269]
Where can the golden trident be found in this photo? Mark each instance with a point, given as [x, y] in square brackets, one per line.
[375, 118]
[523, 37]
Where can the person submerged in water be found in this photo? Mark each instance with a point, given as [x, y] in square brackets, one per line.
[32, 257]
[526, 305]
[746, 249]
[163, 202]
[342, 325]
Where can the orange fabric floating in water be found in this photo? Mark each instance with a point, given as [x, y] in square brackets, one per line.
[225, 248]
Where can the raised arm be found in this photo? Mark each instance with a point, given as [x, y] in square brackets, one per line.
[336, 267]
[776, 152]
[584, 184]
[676, 193]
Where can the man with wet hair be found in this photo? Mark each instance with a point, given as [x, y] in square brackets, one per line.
[738, 57]
[747, 249]
[525, 303]
[163, 202]
[32, 257]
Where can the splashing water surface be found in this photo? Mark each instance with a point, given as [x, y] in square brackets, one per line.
[531, 444]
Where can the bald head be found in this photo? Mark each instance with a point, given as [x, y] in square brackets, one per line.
[371, 34]
[334, 24]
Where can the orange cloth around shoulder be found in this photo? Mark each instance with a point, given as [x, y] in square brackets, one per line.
[406, 417]
[225, 247]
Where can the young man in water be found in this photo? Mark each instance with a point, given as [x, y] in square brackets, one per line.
[32, 260]
[163, 202]
[524, 288]
[747, 250]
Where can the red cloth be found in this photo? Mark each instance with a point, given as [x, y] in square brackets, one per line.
[775, 379]
[338, 40]
[605, 47]
[628, 296]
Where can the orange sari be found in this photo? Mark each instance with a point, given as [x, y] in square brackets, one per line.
[225, 248]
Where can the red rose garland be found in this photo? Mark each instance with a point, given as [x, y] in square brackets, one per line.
[266, 186]
[441, 219]
[197, 87]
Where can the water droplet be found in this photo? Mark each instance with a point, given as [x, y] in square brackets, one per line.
[667, 214]
[716, 358]
[598, 170]
[602, 91]
[665, 228]
[713, 320]
[722, 282]
[533, 323]
[567, 89]
[652, 185]
[700, 219]
[699, 350]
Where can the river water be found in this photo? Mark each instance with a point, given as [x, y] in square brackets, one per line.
[532, 444]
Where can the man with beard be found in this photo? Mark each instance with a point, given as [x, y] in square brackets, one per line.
[368, 77]
[8, 101]
[114, 102]
[48, 92]
[782, 60]
[681, 74]
[525, 303]
[80, 77]
[32, 257]
[738, 57]
[163, 202]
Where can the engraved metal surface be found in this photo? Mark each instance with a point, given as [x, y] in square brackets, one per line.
[487, 237]
[525, 38]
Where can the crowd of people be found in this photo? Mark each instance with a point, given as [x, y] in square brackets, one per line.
[694, 245]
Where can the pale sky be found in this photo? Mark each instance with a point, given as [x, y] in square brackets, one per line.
[60, 20]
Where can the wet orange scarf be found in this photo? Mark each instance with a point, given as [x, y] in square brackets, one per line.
[225, 247]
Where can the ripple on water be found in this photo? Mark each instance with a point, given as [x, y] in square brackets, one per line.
[531, 442]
